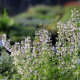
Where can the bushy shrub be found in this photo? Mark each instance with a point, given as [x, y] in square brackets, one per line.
[32, 61]
[68, 48]
[37, 61]
[14, 31]
[5, 22]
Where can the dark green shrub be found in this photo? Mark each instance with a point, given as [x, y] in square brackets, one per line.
[5, 22]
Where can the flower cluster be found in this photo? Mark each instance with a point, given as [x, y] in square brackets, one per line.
[68, 45]
[28, 58]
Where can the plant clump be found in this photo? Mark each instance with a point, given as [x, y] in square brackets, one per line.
[38, 61]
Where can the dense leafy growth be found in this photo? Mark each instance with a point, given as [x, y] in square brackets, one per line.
[38, 61]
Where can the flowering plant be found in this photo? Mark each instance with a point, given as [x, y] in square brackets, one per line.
[37, 60]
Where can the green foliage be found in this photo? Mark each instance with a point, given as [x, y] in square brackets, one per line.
[5, 22]
[7, 69]
[43, 15]
[35, 18]
[37, 60]
[15, 31]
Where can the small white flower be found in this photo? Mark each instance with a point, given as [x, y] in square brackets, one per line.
[63, 62]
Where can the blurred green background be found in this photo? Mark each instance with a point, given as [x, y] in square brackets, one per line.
[36, 17]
